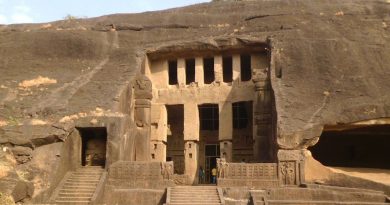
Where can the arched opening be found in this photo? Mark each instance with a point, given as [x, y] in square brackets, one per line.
[364, 146]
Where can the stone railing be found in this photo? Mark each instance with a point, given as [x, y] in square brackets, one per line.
[128, 174]
[259, 175]
[289, 170]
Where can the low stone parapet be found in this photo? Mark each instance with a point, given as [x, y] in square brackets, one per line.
[258, 175]
[129, 174]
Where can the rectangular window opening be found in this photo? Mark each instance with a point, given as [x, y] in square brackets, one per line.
[172, 72]
[242, 114]
[209, 116]
[208, 70]
[190, 71]
[246, 70]
[175, 137]
[227, 66]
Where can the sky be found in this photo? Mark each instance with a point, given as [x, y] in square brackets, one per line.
[39, 11]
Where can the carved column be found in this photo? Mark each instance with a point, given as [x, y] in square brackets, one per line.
[191, 141]
[262, 117]
[181, 71]
[236, 68]
[218, 69]
[143, 96]
[226, 130]
[199, 74]
[158, 143]
[191, 156]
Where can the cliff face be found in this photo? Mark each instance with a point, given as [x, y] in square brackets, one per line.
[330, 62]
[329, 59]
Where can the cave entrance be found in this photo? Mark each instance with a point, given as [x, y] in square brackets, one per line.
[209, 138]
[354, 146]
[175, 137]
[93, 146]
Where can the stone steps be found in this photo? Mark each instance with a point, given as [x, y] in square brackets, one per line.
[79, 186]
[275, 202]
[194, 195]
[319, 195]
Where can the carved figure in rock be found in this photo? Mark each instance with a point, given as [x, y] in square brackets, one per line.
[222, 166]
[167, 170]
[288, 172]
[201, 175]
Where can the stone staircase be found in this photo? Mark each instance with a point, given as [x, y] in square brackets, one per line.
[194, 195]
[78, 187]
[319, 195]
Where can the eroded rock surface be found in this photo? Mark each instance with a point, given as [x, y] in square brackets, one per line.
[329, 65]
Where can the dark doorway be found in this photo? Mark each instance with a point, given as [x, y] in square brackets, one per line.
[212, 152]
[93, 146]
[246, 70]
[354, 146]
[208, 70]
[172, 72]
[175, 138]
[190, 71]
[227, 66]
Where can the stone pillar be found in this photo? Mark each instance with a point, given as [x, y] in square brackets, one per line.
[142, 110]
[191, 141]
[236, 68]
[191, 156]
[218, 69]
[199, 75]
[181, 71]
[191, 122]
[158, 133]
[142, 116]
[226, 130]
[262, 117]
